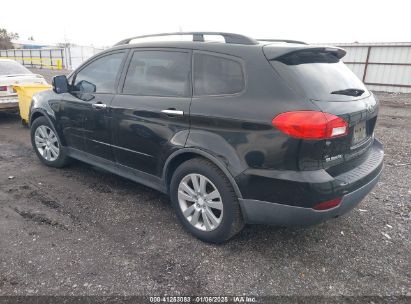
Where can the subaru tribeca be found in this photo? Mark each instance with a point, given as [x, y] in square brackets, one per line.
[241, 131]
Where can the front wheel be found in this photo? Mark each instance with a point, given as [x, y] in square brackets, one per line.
[46, 143]
[205, 201]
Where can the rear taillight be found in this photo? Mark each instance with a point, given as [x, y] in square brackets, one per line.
[3, 88]
[328, 204]
[310, 124]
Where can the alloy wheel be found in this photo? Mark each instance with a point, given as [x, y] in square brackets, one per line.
[47, 143]
[200, 201]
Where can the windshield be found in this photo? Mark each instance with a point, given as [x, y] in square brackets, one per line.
[12, 68]
[319, 76]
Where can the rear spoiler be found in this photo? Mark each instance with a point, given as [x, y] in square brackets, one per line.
[274, 53]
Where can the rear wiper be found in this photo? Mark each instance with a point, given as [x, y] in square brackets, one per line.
[349, 92]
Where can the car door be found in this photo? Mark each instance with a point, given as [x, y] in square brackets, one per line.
[93, 89]
[151, 114]
[69, 118]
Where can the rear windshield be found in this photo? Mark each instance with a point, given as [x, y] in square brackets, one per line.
[319, 76]
[12, 68]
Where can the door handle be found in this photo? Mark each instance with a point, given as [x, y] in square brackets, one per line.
[173, 112]
[99, 105]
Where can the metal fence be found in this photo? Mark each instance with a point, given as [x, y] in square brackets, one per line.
[52, 58]
[37, 58]
[381, 66]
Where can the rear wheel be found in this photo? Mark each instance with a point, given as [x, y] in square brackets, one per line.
[205, 201]
[46, 143]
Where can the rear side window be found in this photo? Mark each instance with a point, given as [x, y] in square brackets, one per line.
[158, 73]
[215, 75]
[100, 75]
[319, 76]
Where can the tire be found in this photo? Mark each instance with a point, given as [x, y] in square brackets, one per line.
[196, 217]
[41, 128]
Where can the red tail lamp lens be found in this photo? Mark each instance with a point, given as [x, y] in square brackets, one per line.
[328, 204]
[310, 124]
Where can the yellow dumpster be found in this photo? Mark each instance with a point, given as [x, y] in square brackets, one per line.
[25, 93]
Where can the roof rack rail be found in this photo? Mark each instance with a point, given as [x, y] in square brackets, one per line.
[199, 37]
[283, 40]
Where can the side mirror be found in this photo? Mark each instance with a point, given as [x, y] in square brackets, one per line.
[60, 84]
[85, 86]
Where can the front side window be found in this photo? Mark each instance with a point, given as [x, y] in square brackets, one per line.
[215, 75]
[100, 75]
[158, 73]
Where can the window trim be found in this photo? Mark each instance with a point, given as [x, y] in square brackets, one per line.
[99, 56]
[225, 56]
[189, 52]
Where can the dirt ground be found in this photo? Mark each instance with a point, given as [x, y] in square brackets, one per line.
[82, 231]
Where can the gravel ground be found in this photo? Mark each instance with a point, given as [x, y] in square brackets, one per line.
[82, 231]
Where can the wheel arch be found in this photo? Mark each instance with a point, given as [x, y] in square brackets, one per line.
[36, 115]
[42, 113]
[182, 155]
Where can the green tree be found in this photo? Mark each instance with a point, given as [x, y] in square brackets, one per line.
[5, 39]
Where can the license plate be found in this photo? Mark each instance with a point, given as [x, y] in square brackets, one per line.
[359, 133]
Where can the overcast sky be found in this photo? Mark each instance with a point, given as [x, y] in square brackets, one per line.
[102, 23]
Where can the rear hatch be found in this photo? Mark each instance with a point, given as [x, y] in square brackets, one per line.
[318, 75]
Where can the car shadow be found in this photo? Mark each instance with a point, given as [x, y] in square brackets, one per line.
[258, 235]
[8, 117]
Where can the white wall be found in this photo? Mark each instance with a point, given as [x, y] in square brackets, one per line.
[76, 55]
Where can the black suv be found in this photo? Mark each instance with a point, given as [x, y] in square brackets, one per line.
[238, 131]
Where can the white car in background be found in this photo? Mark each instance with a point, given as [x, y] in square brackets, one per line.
[11, 73]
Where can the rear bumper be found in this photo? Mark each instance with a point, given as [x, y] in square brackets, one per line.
[317, 186]
[9, 103]
[259, 212]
